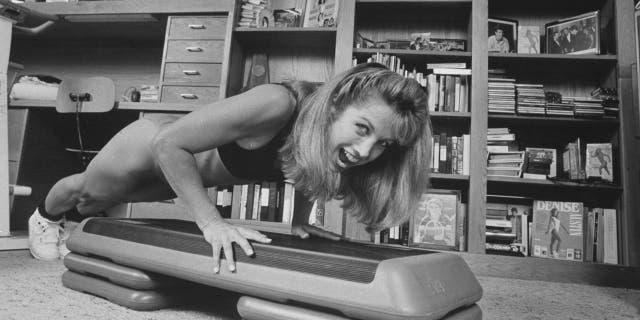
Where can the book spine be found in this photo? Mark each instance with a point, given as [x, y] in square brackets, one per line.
[443, 153]
[466, 152]
[610, 254]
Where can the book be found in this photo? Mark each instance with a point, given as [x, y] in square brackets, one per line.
[599, 162]
[321, 13]
[589, 224]
[545, 157]
[558, 230]
[435, 223]
[610, 241]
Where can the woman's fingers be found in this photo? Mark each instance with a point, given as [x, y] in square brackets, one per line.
[254, 235]
[228, 255]
[216, 257]
[319, 232]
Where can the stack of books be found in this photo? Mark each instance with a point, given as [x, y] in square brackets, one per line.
[530, 99]
[250, 13]
[502, 95]
[586, 107]
[500, 140]
[610, 101]
[507, 228]
[505, 164]
[560, 109]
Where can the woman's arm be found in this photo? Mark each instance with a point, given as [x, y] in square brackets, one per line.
[260, 111]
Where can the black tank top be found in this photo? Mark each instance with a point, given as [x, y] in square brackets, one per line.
[261, 164]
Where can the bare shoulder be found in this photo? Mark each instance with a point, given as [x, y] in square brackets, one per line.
[273, 101]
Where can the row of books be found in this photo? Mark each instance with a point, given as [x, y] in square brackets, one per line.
[451, 154]
[590, 161]
[553, 229]
[449, 89]
[448, 84]
[394, 63]
[263, 201]
[508, 97]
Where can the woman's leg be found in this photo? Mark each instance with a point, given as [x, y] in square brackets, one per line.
[112, 176]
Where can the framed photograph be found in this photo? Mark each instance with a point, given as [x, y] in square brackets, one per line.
[435, 223]
[503, 35]
[321, 13]
[574, 35]
[529, 39]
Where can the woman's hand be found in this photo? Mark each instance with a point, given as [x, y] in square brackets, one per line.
[221, 235]
[305, 230]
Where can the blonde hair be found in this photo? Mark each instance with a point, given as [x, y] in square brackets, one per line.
[381, 193]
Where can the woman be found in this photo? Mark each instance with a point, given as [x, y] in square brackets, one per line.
[364, 137]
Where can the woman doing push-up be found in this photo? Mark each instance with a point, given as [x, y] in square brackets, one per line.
[363, 137]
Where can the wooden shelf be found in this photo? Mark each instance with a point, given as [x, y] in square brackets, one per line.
[449, 176]
[553, 61]
[552, 121]
[130, 7]
[415, 1]
[141, 106]
[287, 37]
[450, 115]
[555, 183]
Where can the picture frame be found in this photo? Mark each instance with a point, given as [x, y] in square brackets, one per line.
[574, 35]
[321, 13]
[496, 41]
[434, 225]
[529, 39]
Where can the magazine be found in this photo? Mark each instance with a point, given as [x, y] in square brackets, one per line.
[557, 230]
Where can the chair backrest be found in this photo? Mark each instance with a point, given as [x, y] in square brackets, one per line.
[91, 94]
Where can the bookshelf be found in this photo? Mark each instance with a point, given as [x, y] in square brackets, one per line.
[317, 53]
[570, 74]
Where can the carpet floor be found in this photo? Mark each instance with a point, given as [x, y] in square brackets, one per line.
[32, 290]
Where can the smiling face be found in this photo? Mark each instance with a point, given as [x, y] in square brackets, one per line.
[361, 133]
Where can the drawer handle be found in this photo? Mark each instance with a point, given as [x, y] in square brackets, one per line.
[191, 72]
[194, 49]
[189, 96]
[196, 26]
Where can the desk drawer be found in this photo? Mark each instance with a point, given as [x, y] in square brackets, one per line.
[192, 73]
[197, 27]
[195, 51]
[189, 94]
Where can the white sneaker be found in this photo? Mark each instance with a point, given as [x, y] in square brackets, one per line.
[44, 236]
[69, 226]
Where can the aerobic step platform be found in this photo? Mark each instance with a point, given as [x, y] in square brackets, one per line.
[119, 274]
[361, 281]
[141, 300]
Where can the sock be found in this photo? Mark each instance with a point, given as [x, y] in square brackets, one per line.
[73, 215]
[46, 215]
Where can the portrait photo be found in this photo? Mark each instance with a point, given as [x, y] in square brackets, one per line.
[574, 35]
[434, 223]
[503, 35]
